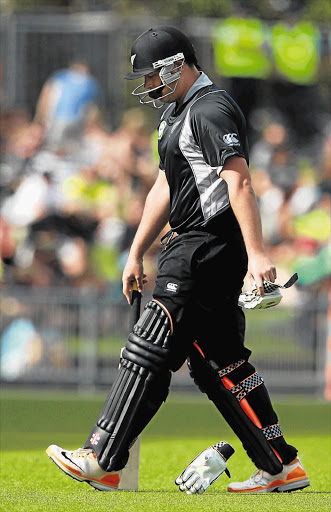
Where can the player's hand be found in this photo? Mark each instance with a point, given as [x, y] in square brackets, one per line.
[261, 268]
[133, 272]
[202, 471]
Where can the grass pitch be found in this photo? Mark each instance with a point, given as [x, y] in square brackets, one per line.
[182, 428]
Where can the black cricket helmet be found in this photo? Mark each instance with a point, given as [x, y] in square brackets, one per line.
[155, 45]
[158, 49]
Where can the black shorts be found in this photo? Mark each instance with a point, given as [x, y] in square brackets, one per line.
[200, 277]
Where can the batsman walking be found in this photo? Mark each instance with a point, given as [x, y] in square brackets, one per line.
[203, 189]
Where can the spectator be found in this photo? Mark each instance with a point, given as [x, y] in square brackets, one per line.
[68, 101]
[273, 136]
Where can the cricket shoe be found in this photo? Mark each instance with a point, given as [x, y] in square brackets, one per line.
[292, 478]
[82, 465]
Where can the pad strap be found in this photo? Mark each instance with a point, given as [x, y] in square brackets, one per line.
[272, 431]
[247, 385]
[207, 377]
[231, 367]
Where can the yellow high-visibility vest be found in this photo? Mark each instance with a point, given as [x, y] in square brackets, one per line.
[240, 48]
[296, 51]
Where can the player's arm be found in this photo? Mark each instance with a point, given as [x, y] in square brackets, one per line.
[243, 201]
[155, 216]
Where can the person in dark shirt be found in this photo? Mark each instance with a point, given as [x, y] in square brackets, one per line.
[204, 191]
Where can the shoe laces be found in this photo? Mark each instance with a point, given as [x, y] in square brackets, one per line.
[85, 453]
[257, 476]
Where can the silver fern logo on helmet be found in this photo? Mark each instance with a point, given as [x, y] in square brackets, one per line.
[169, 75]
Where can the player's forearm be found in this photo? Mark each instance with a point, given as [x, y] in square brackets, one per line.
[245, 207]
[151, 225]
[246, 210]
[243, 201]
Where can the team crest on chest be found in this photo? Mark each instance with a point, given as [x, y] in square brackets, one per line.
[161, 129]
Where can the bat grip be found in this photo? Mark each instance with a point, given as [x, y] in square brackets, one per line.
[135, 306]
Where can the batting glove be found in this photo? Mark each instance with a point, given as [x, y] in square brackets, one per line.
[205, 469]
[272, 295]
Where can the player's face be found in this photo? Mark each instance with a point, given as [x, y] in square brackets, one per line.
[153, 81]
[153, 84]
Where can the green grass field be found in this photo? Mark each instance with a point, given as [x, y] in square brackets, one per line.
[30, 421]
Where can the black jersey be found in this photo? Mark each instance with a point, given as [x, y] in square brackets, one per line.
[194, 143]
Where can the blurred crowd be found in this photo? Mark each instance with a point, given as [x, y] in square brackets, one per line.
[72, 191]
[293, 186]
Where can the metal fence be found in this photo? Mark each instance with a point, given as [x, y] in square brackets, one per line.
[33, 46]
[60, 337]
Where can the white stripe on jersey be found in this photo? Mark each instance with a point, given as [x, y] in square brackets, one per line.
[213, 190]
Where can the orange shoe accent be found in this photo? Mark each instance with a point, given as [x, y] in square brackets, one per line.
[286, 481]
[245, 490]
[112, 479]
[275, 483]
[296, 474]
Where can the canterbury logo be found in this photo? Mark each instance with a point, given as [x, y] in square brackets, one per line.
[231, 139]
[172, 287]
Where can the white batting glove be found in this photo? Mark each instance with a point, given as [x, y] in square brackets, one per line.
[253, 299]
[272, 295]
[205, 469]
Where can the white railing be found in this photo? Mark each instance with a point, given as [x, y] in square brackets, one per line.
[66, 337]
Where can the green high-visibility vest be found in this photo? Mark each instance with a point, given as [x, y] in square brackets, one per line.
[296, 51]
[240, 48]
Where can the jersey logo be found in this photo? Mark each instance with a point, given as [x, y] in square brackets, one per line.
[172, 287]
[161, 129]
[231, 139]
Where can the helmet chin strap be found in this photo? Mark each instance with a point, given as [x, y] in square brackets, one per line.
[169, 74]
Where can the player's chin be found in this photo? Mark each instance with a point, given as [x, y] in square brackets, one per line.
[156, 94]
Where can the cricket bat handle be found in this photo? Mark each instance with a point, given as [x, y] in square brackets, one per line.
[135, 306]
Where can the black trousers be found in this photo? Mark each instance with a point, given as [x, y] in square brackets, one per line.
[199, 280]
[200, 277]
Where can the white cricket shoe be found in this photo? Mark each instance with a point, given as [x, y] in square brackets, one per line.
[292, 478]
[82, 465]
